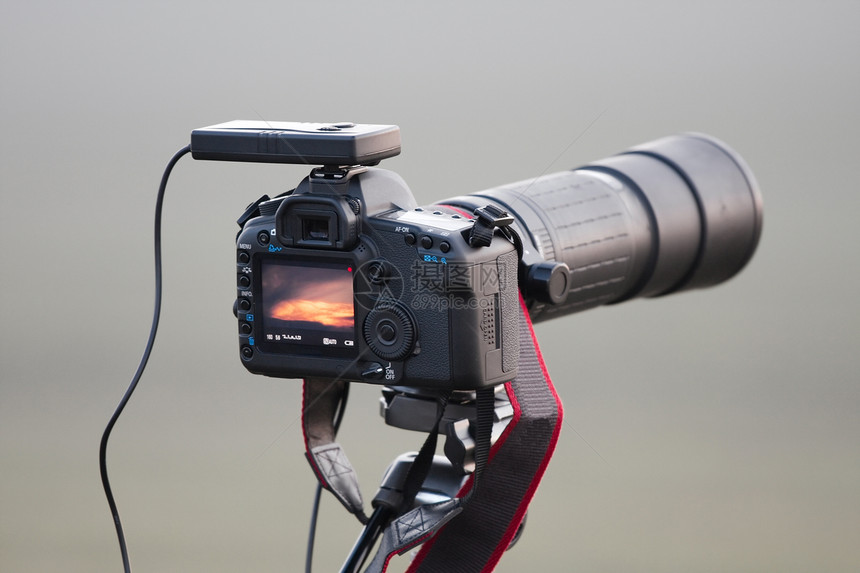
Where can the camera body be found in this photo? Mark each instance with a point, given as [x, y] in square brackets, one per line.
[345, 277]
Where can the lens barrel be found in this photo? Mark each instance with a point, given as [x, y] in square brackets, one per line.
[678, 213]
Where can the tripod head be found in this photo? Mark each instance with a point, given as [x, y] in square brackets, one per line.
[410, 408]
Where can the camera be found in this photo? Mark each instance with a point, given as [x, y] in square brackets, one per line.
[346, 277]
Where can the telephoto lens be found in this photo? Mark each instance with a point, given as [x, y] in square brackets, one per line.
[674, 214]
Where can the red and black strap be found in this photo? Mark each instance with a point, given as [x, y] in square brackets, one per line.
[470, 532]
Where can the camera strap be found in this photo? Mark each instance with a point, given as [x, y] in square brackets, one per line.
[475, 539]
[472, 531]
[320, 401]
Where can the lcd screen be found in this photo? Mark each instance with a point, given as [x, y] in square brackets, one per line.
[307, 304]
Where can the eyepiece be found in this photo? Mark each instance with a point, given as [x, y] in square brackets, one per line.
[674, 214]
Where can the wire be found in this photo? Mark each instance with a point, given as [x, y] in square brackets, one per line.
[147, 351]
[312, 528]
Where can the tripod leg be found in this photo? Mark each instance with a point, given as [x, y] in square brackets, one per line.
[441, 485]
[380, 518]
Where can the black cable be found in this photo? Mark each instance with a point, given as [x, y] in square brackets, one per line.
[147, 351]
[312, 528]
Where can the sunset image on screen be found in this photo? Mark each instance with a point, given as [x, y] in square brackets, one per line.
[333, 314]
[301, 298]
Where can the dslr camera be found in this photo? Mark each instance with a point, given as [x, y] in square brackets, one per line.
[346, 277]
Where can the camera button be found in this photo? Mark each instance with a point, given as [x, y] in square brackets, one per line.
[247, 352]
[244, 281]
[263, 238]
[386, 332]
[244, 304]
[378, 272]
[444, 246]
[426, 242]
[244, 257]
[410, 238]
[245, 328]
[373, 371]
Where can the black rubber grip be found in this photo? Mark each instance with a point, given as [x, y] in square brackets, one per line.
[677, 213]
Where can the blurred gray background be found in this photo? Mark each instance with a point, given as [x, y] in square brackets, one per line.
[710, 431]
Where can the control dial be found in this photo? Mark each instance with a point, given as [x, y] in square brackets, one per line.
[389, 330]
